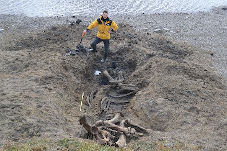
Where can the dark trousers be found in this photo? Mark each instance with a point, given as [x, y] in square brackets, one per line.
[106, 45]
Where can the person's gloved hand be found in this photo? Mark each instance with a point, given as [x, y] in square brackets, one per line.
[111, 30]
[84, 32]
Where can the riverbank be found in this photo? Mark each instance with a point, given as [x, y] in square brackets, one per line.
[181, 97]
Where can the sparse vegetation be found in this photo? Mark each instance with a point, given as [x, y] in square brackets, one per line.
[65, 144]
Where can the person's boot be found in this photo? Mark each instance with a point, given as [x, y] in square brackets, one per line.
[104, 58]
[90, 49]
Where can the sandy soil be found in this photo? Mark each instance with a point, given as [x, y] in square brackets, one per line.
[181, 97]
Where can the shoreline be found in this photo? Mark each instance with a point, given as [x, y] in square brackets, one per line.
[203, 30]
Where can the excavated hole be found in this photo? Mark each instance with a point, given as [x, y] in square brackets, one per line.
[105, 99]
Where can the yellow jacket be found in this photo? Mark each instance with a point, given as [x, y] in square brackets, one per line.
[103, 27]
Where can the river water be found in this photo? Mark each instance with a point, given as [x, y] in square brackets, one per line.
[43, 8]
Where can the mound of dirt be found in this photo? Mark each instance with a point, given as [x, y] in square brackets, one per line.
[179, 96]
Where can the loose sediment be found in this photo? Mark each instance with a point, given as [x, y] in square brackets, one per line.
[179, 95]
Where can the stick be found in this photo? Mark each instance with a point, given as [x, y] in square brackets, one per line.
[81, 102]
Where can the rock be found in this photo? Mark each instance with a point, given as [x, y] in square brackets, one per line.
[53, 28]
[161, 30]
[224, 8]
[166, 29]
[78, 21]
[71, 23]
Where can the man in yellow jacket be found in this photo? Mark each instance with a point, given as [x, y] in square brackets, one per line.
[105, 27]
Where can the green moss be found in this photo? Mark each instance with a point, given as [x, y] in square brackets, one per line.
[11, 148]
[90, 146]
[141, 145]
[69, 144]
[74, 145]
